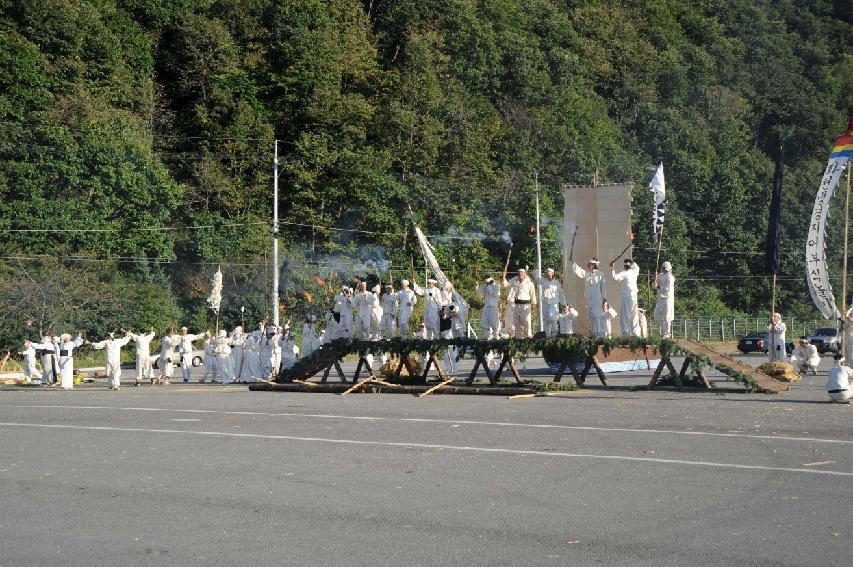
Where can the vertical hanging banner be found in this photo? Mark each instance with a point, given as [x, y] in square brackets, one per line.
[429, 257]
[817, 271]
[658, 187]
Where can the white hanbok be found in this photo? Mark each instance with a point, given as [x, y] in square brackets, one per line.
[144, 369]
[66, 362]
[594, 291]
[112, 352]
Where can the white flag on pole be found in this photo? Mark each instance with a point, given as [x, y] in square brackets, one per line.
[658, 187]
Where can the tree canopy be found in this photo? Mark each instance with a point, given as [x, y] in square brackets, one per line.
[138, 135]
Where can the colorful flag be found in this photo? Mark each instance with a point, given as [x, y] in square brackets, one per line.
[817, 269]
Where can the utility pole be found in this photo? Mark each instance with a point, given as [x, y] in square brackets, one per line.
[538, 255]
[275, 300]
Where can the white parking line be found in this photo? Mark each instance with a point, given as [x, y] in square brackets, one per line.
[456, 422]
[496, 450]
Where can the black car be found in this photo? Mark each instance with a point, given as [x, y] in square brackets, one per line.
[758, 342]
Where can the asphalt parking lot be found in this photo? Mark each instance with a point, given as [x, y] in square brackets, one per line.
[217, 475]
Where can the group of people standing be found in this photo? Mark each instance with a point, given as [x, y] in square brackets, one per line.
[381, 312]
[228, 357]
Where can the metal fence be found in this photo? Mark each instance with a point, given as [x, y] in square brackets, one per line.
[731, 329]
[713, 329]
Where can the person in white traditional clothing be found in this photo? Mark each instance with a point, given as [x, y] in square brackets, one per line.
[251, 356]
[186, 345]
[362, 303]
[847, 336]
[390, 303]
[838, 384]
[322, 337]
[776, 338]
[238, 349]
[458, 315]
[446, 330]
[343, 307]
[434, 301]
[224, 362]
[29, 354]
[168, 356]
[144, 368]
[275, 359]
[665, 306]
[565, 320]
[289, 351]
[406, 299]
[609, 315]
[508, 319]
[310, 342]
[627, 278]
[805, 357]
[46, 350]
[522, 293]
[376, 314]
[552, 298]
[490, 324]
[594, 291]
[66, 359]
[209, 359]
[112, 353]
[644, 324]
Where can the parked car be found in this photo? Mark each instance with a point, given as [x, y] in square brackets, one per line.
[198, 358]
[758, 342]
[826, 339]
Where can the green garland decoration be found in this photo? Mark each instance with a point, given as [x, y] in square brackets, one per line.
[572, 347]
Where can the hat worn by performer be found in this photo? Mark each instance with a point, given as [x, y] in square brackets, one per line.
[593, 261]
[667, 267]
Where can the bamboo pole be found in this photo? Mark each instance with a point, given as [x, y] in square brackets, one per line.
[358, 385]
[436, 387]
[660, 244]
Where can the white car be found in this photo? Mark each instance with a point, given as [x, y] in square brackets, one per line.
[198, 358]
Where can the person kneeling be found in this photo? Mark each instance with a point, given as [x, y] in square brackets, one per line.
[838, 385]
[805, 357]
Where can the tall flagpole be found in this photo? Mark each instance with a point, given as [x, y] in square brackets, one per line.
[538, 255]
[275, 300]
[844, 280]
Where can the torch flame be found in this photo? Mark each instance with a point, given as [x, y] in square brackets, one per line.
[320, 281]
[308, 296]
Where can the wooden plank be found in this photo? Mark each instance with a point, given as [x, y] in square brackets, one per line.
[436, 387]
[764, 383]
[394, 388]
[358, 385]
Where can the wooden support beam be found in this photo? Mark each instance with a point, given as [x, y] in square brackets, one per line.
[658, 370]
[599, 371]
[675, 377]
[559, 375]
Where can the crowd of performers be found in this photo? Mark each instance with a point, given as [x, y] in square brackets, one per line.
[381, 312]
[369, 314]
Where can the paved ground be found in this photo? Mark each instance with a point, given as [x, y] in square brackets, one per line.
[213, 475]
